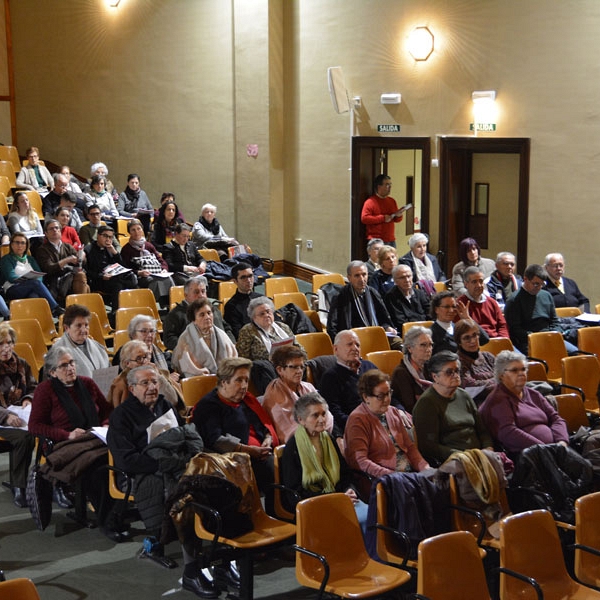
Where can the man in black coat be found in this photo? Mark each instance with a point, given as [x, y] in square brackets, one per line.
[403, 301]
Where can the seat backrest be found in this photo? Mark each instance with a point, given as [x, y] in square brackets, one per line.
[176, 295]
[121, 337]
[529, 544]
[584, 372]
[5, 186]
[124, 315]
[25, 351]
[536, 371]
[297, 298]
[11, 155]
[3, 204]
[209, 254]
[588, 339]
[280, 511]
[572, 409]
[549, 346]
[137, 297]
[406, 326]
[18, 589]
[320, 279]
[496, 345]
[450, 567]
[315, 344]
[35, 201]
[7, 169]
[35, 308]
[280, 285]
[327, 524]
[96, 332]
[587, 533]
[113, 489]
[386, 360]
[29, 330]
[226, 290]
[372, 339]
[95, 303]
[195, 388]
[568, 311]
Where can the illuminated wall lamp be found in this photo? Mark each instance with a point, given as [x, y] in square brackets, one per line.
[484, 106]
[114, 3]
[420, 43]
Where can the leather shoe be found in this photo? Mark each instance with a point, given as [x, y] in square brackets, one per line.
[19, 498]
[200, 585]
[226, 576]
[59, 496]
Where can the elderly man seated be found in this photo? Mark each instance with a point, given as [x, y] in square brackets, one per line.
[373, 248]
[404, 302]
[503, 282]
[564, 291]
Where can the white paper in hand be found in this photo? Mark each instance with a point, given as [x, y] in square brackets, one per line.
[162, 424]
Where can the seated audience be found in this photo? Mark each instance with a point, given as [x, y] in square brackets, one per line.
[564, 291]
[373, 248]
[425, 267]
[209, 233]
[376, 437]
[236, 309]
[470, 256]
[230, 419]
[283, 392]
[22, 218]
[476, 366]
[201, 347]
[257, 339]
[445, 416]
[89, 232]
[339, 385]
[69, 200]
[134, 202]
[165, 225]
[182, 256]
[404, 302]
[410, 379]
[74, 184]
[382, 280]
[517, 416]
[169, 197]
[17, 267]
[67, 233]
[312, 463]
[17, 385]
[503, 282]
[4, 232]
[142, 258]
[35, 176]
[51, 201]
[482, 309]
[88, 354]
[99, 195]
[531, 309]
[99, 169]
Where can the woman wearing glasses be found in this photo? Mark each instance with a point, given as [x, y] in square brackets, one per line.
[282, 393]
[518, 416]
[445, 416]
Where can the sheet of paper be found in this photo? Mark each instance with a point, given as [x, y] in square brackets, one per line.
[162, 424]
[22, 412]
[100, 432]
[104, 377]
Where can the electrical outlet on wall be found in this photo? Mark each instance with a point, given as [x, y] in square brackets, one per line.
[309, 244]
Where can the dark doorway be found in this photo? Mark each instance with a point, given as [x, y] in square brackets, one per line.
[370, 157]
[470, 207]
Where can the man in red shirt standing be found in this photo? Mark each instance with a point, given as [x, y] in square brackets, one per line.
[380, 212]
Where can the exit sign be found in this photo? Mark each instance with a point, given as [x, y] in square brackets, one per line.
[483, 127]
[388, 128]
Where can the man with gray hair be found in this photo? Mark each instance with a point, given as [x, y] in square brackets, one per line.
[373, 248]
[182, 257]
[51, 200]
[564, 291]
[404, 302]
[503, 282]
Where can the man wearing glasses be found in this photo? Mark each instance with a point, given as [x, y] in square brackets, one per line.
[89, 233]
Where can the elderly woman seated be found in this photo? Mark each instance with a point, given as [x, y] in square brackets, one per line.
[312, 463]
[201, 347]
[135, 353]
[282, 393]
[445, 416]
[425, 267]
[517, 416]
[35, 176]
[476, 367]
[409, 379]
[470, 256]
[382, 280]
[230, 419]
[376, 437]
[209, 233]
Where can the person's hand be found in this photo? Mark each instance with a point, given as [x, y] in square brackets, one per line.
[563, 443]
[174, 377]
[258, 452]
[202, 268]
[391, 330]
[26, 403]
[463, 310]
[143, 273]
[76, 433]
[406, 419]
[267, 442]
[388, 218]
[14, 421]
[352, 495]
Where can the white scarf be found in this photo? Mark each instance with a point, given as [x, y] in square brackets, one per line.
[424, 268]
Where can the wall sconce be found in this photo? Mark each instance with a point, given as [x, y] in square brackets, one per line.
[392, 98]
[420, 43]
[484, 106]
[114, 3]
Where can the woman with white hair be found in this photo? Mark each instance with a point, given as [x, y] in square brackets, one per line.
[209, 233]
[425, 267]
[99, 169]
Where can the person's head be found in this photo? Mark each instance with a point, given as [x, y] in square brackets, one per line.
[444, 368]
[418, 344]
[510, 369]
[208, 212]
[466, 335]
[418, 244]
[388, 259]
[555, 265]
[98, 183]
[443, 306]
[346, 347]
[373, 248]
[243, 276]
[134, 353]
[94, 214]
[469, 251]
[52, 229]
[261, 311]
[505, 264]
[168, 212]
[98, 168]
[76, 323]
[167, 197]
[358, 275]
[63, 215]
[289, 364]
[133, 182]
[143, 328]
[143, 383]
[66, 171]
[60, 183]
[135, 229]
[200, 312]
[403, 278]
[20, 203]
[195, 288]
[182, 233]
[382, 185]
[68, 199]
[59, 363]
[375, 390]
[33, 155]
[105, 237]
[534, 279]
[8, 337]
[310, 411]
[233, 375]
[19, 244]
[473, 278]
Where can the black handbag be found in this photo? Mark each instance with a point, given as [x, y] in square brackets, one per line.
[39, 498]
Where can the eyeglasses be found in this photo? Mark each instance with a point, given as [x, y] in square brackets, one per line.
[425, 345]
[517, 370]
[381, 397]
[145, 331]
[94, 214]
[448, 306]
[450, 372]
[147, 382]
[295, 367]
[66, 365]
[141, 359]
[7, 343]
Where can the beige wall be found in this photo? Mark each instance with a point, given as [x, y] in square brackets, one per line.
[175, 90]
